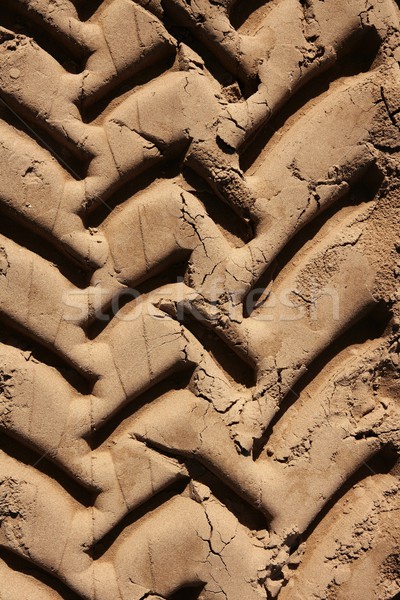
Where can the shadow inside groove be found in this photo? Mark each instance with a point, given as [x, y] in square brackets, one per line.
[16, 17]
[383, 462]
[25, 233]
[210, 53]
[363, 51]
[14, 334]
[177, 381]
[137, 182]
[100, 104]
[236, 229]
[11, 335]
[364, 188]
[243, 9]
[191, 592]
[67, 155]
[233, 365]
[86, 9]
[247, 515]
[143, 511]
[166, 272]
[371, 326]
[19, 564]
[37, 460]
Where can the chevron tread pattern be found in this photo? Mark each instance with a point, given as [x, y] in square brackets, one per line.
[199, 306]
